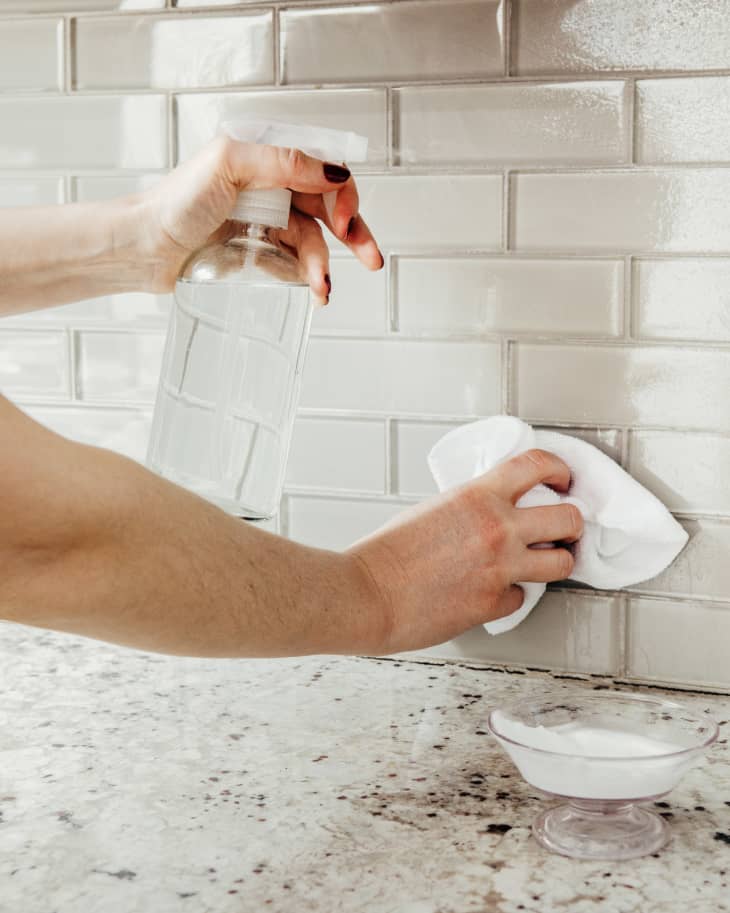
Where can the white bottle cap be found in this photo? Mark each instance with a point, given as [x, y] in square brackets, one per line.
[271, 207]
[263, 207]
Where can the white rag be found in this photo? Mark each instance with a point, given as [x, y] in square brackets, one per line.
[629, 534]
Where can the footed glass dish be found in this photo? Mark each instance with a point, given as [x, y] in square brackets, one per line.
[605, 754]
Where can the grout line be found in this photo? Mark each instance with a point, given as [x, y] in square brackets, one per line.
[506, 393]
[628, 290]
[631, 120]
[507, 37]
[68, 54]
[622, 637]
[392, 129]
[283, 517]
[277, 47]
[172, 150]
[391, 455]
[624, 447]
[74, 357]
[391, 294]
[506, 213]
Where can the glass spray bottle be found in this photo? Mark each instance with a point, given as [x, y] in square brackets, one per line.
[231, 370]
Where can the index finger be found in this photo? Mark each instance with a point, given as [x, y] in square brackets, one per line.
[344, 221]
[515, 477]
[251, 166]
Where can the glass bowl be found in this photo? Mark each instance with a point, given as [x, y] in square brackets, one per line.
[605, 753]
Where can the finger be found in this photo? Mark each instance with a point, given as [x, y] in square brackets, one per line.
[262, 167]
[304, 235]
[517, 476]
[348, 225]
[545, 565]
[361, 242]
[337, 210]
[557, 523]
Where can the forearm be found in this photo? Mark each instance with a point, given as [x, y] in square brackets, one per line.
[57, 254]
[92, 543]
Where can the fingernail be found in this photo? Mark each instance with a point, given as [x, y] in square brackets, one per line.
[350, 227]
[328, 283]
[382, 259]
[336, 173]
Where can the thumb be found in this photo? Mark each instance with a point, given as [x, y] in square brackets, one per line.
[263, 167]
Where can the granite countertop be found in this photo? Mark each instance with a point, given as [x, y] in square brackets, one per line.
[148, 784]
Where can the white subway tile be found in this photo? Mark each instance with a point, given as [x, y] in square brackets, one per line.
[663, 210]
[92, 188]
[361, 110]
[119, 366]
[702, 569]
[30, 55]
[161, 52]
[76, 6]
[24, 190]
[688, 472]
[673, 641]
[505, 295]
[657, 385]
[570, 632]
[413, 441]
[358, 303]
[135, 309]
[337, 454]
[34, 364]
[105, 131]
[571, 36]
[379, 41]
[443, 211]
[393, 376]
[336, 524]
[683, 120]
[125, 431]
[606, 439]
[682, 299]
[518, 123]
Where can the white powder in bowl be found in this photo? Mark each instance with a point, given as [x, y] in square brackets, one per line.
[593, 762]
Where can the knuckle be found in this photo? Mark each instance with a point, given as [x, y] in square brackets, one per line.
[221, 148]
[494, 533]
[576, 519]
[565, 563]
[294, 161]
[540, 458]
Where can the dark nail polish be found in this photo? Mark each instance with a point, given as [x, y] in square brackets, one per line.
[336, 173]
[328, 283]
[351, 227]
[382, 260]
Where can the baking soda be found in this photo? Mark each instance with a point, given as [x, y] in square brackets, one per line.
[593, 762]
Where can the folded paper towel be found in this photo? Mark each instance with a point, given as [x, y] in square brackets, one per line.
[629, 535]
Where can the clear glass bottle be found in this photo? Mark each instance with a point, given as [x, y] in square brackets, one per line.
[231, 372]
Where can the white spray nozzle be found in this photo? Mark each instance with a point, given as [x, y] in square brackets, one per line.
[271, 207]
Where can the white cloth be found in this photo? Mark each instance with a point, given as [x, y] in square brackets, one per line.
[629, 535]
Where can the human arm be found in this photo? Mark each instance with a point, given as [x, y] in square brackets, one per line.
[94, 544]
[57, 254]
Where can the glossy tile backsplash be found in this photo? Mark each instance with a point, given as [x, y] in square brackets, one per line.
[550, 183]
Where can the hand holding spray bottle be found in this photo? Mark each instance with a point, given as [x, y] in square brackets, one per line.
[236, 341]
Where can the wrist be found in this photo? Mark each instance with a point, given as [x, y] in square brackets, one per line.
[372, 601]
[142, 238]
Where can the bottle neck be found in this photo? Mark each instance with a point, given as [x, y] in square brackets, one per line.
[251, 231]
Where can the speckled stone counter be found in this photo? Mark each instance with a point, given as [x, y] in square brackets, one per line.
[148, 784]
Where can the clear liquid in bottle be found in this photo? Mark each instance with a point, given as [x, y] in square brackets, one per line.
[231, 372]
